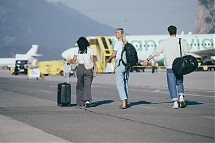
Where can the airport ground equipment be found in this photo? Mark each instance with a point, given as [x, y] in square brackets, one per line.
[33, 73]
[21, 66]
[103, 49]
[51, 67]
[64, 93]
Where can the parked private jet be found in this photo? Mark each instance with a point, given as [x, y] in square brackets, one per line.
[30, 56]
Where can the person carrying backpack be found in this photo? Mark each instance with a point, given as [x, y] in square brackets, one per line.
[122, 65]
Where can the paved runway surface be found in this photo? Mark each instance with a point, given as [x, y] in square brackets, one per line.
[29, 113]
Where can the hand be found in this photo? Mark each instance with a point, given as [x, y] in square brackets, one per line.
[108, 61]
[144, 63]
[94, 74]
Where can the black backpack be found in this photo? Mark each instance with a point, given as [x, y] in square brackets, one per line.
[184, 65]
[131, 56]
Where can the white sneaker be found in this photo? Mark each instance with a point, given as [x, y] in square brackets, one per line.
[181, 100]
[175, 105]
[87, 104]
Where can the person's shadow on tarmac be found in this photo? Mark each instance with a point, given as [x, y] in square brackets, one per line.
[98, 103]
[192, 102]
[130, 104]
[145, 102]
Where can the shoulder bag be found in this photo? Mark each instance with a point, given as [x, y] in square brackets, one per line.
[184, 65]
[88, 66]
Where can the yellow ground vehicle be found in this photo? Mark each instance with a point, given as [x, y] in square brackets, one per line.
[103, 49]
[51, 67]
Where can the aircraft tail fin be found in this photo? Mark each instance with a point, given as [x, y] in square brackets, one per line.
[33, 51]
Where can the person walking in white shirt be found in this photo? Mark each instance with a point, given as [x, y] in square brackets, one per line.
[84, 54]
[171, 50]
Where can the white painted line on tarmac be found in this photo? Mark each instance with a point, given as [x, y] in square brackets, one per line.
[196, 95]
[53, 86]
[209, 117]
[147, 107]
[46, 91]
[156, 91]
[199, 95]
[139, 89]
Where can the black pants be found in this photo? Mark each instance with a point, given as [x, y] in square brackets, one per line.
[154, 69]
[83, 86]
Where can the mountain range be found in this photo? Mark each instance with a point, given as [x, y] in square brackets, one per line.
[53, 26]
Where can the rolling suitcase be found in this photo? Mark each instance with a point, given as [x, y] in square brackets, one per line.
[64, 93]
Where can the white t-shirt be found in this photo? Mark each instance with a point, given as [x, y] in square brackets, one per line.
[171, 50]
[118, 48]
[84, 58]
[64, 63]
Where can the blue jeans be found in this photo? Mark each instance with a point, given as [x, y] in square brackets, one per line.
[172, 82]
[73, 71]
[121, 77]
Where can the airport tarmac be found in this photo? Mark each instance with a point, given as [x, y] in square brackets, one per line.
[29, 112]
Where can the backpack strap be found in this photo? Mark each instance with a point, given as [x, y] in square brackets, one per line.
[121, 58]
[123, 50]
[180, 46]
[119, 62]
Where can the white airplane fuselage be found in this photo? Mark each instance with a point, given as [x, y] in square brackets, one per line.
[146, 44]
[7, 62]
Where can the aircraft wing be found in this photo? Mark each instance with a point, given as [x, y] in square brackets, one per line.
[195, 55]
[36, 55]
[205, 53]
